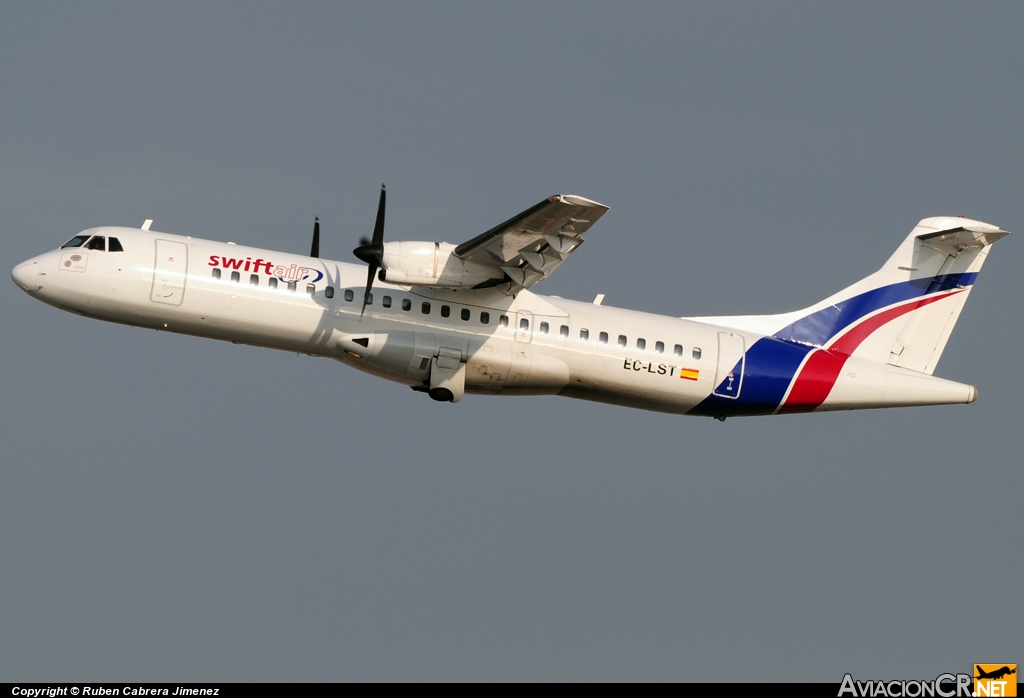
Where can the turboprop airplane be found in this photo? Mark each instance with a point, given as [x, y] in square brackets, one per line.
[450, 319]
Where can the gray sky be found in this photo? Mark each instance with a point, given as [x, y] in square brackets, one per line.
[180, 509]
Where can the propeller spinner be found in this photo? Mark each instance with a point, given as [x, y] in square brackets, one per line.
[372, 251]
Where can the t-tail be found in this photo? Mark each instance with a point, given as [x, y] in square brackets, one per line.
[873, 344]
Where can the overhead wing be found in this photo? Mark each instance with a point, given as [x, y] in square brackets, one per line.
[531, 245]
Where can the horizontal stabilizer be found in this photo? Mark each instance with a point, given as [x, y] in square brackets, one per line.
[974, 237]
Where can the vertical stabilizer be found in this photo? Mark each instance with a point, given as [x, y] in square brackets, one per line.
[896, 321]
[902, 314]
[959, 247]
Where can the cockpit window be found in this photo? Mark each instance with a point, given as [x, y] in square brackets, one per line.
[76, 241]
[115, 245]
[98, 242]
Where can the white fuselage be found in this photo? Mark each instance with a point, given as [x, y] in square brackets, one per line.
[524, 344]
[521, 349]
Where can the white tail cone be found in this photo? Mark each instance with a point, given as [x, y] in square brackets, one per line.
[906, 387]
[865, 383]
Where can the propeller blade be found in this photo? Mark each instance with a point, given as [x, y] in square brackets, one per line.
[370, 273]
[363, 240]
[314, 251]
[372, 251]
[378, 228]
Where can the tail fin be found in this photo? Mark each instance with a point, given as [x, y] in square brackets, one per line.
[902, 314]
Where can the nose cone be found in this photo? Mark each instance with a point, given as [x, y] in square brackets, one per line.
[26, 275]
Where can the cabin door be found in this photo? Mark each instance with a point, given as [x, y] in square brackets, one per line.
[731, 360]
[169, 272]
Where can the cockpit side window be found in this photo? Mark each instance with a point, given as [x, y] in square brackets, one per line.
[98, 242]
[115, 245]
[76, 241]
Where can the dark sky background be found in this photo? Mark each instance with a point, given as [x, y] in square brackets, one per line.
[179, 509]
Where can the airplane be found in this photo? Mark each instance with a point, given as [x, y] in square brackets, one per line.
[451, 319]
[995, 674]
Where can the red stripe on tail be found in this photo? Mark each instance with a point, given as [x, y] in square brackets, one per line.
[822, 368]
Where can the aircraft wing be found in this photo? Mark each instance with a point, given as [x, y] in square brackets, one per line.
[528, 247]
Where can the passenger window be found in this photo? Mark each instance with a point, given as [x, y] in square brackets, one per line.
[603, 338]
[425, 308]
[76, 241]
[115, 245]
[406, 304]
[254, 279]
[585, 335]
[386, 301]
[349, 295]
[235, 276]
[696, 352]
[678, 351]
[659, 347]
[465, 314]
[503, 320]
[216, 272]
[273, 282]
[524, 324]
[641, 343]
[543, 328]
[310, 288]
[563, 331]
[485, 318]
[98, 243]
[622, 340]
[446, 310]
[329, 292]
[292, 285]
[369, 298]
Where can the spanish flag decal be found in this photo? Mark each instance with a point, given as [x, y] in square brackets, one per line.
[690, 374]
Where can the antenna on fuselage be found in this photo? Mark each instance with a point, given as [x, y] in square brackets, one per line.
[149, 222]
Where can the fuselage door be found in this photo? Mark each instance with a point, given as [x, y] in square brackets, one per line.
[524, 326]
[169, 272]
[731, 360]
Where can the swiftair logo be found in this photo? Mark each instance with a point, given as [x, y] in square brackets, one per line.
[995, 679]
[945, 686]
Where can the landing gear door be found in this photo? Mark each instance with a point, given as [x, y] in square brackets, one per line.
[731, 361]
[524, 326]
[447, 376]
[169, 272]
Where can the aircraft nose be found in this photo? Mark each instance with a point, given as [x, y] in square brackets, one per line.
[26, 275]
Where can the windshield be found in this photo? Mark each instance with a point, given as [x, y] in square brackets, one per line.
[76, 241]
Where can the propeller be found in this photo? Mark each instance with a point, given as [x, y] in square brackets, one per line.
[372, 251]
[314, 251]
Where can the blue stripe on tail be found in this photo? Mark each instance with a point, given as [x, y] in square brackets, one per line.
[772, 362]
[817, 328]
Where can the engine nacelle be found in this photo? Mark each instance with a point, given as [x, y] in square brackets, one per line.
[433, 264]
